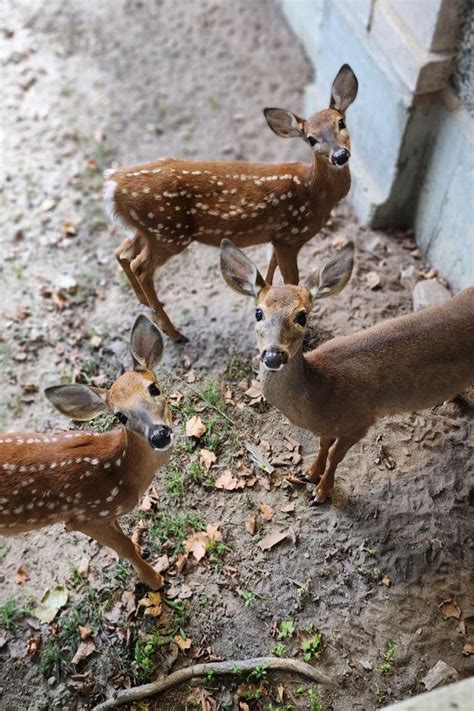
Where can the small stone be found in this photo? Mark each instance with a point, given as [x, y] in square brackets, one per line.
[51, 681]
[428, 293]
[441, 673]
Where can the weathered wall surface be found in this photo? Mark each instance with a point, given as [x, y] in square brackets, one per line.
[412, 148]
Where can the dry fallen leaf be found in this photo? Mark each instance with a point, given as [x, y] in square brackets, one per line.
[207, 458]
[385, 581]
[468, 649]
[373, 280]
[152, 604]
[34, 643]
[21, 575]
[51, 602]
[199, 541]
[266, 511]
[84, 633]
[251, 525]
[195, 427]
[183, 643]
[272, 539]
[84, 650]
[228, 482]
[162, 564]
[450, 608]
[83, 568]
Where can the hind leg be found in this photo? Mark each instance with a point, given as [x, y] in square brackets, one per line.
[143, 268]
[124, 255]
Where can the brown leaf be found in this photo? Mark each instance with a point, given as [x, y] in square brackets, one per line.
[385, 581]
[84, 633]
[181, 562]
[83, 567]
[207, 458]
[84, 650]
[195, 427]
[162, 564]
[272, 539]
[183, 643]
[152, 604]
[266, 511]
[468, 649]
[227, 481]
[21, 575]
[288, 508]
[450, 608]
[251, 525]
[195, 545]
[33, 644]
[19, 314]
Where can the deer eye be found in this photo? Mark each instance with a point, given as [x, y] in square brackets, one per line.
[341, 124]
[302, 318]
[121, 417]
[312, 140]
[258, 314]
[154, 390]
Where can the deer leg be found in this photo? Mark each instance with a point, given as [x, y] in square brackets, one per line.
[110, 534]
[143, 268]
[124, 255]
[336, 454]
[288, 262]
[314, 472]
[272, 265]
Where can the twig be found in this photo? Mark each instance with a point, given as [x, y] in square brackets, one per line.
[204, 399]
[236, 666]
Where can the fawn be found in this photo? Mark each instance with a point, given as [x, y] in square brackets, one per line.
[339, 389]
[170, 203]
[84, 479]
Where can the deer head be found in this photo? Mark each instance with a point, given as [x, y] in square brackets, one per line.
[326, 130]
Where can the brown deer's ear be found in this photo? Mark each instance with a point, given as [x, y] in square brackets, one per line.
[146, 344]
[79, 402]
[239, 271]
[344, 89]
[334, 275]
[284, 123]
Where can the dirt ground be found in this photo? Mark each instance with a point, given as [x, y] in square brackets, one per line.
[87, 85]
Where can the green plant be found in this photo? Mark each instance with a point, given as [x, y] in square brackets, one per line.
[258, 673]
[247, 596]
[173, 481]
[313, 698]
[13, 613]
[279, 649]
[311, 648]
[175, 528]
[389, 657]
[210, 675]
[286, 629]
[144, 651]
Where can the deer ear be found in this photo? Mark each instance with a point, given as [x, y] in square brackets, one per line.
[344, 89]
[239, 271]
[284, 123]
[79, 402]
[146, 344]
[334, 275]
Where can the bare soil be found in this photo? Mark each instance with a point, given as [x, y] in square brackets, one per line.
[87, 85]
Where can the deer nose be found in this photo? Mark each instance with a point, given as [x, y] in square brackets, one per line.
[160, 437]
[274, 359]
[340, 156]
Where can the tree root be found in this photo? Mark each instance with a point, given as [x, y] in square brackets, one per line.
[230, 667]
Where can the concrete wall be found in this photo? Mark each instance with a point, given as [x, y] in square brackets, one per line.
[407, 147]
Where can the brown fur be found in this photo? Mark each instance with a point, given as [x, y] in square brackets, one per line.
[171, 202]
[88, 480]
[338, 390]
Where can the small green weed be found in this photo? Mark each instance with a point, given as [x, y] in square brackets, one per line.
[389, 657]
[13, 613]
[279, 649]
[311, 648]
[176, 528]
[286, 629]
[247, 596]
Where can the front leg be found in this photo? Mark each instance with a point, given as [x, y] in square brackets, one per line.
[314, 472]
[336, 454]
[110, 534]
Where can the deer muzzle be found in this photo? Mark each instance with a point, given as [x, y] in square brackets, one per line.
[160, 437]
[274, 359]
[340, 156]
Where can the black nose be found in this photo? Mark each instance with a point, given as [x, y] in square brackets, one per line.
[160, 437]
[274, 358]
[340, 157]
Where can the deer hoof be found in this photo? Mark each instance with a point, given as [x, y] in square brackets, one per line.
[180, 338]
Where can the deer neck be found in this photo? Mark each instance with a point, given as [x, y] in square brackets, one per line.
[328, 184]
[296, 390]
[143, 461]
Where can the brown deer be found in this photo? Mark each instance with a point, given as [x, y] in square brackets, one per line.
[88, 480]
[170, 203]
[339, 389]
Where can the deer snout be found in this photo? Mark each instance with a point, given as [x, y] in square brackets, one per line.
[340, 156]
[160, 437]
[274, 359]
